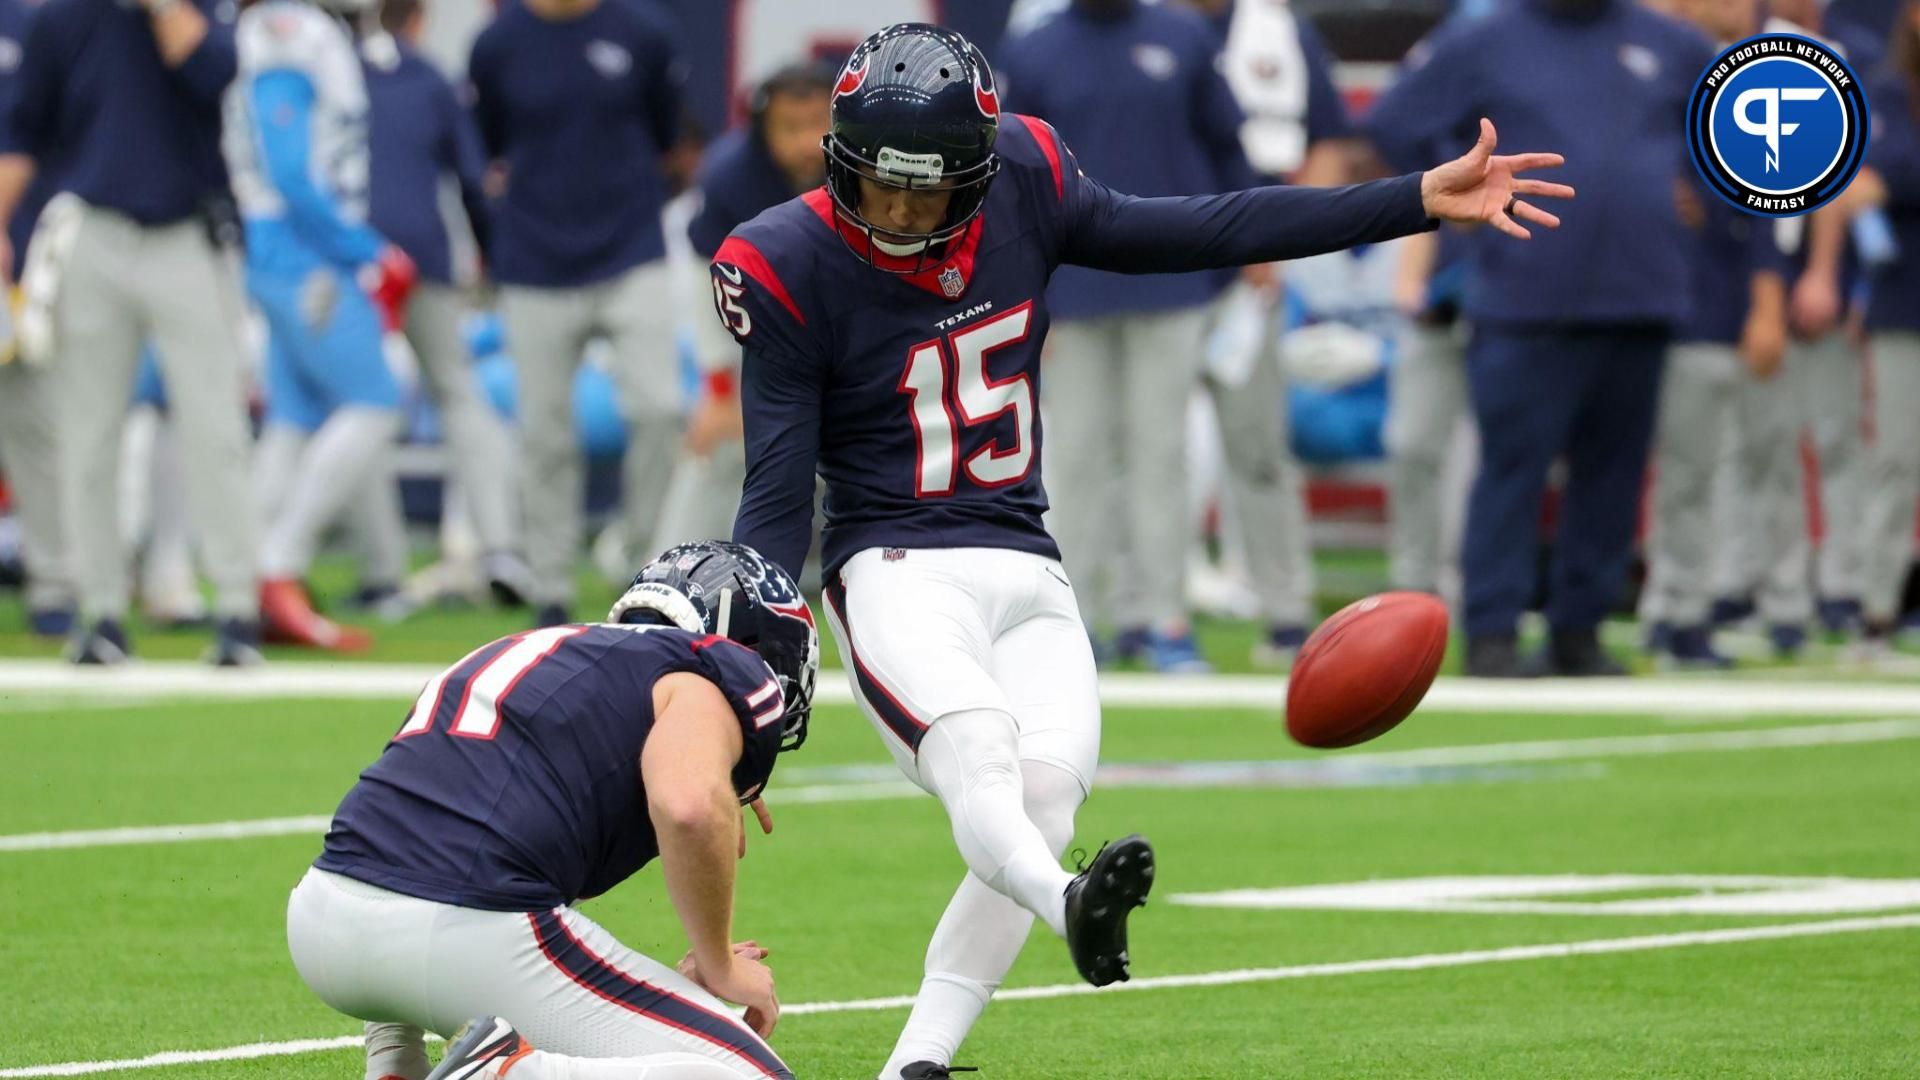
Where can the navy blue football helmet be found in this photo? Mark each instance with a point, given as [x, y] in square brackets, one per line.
[726, 589]
[915, 107]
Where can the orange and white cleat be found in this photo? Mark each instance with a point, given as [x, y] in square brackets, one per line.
[287, 618]
[483, 1050]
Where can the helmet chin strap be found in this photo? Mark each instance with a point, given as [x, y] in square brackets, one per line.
[900, 250]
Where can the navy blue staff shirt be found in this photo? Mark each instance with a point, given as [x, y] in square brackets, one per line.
[580, 111]
[737, 180]
[419, 134]
[14, 16]
[515, 785]
[1894, 152]
[130, 134]
[916, 396]
[1608, 91]
[1139, 98]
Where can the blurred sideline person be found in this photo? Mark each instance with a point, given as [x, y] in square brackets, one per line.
[1822, 357]
[1296, 131]
[1125, 354]
[577, 102]
[775, 157]
[422, 139]
[549, 767]
[1722, 372]
[1426, 401]
[123, 100]
[29, 435]
[1891, 181]
[1561, 363]
[297, 145]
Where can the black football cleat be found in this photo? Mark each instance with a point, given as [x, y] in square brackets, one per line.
[484, 1043]
[928, 1070]
[1098, 903]
[104, 644]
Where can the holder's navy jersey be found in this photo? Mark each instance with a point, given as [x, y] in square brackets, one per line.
[916, 397]
[514, 784]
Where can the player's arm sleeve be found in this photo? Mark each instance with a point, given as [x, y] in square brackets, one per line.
[751, 689]
[282, 105]
[210, 67]
[1107, 230]
[1326, 111]
[780, 400]
[1429, 105]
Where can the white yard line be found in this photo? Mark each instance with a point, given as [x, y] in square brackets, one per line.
[41, 680]
[1354, 769]
[1425, 962]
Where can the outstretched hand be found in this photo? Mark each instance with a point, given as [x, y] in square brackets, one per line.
[1481, 187]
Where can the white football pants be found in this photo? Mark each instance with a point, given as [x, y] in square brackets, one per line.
[572, 990]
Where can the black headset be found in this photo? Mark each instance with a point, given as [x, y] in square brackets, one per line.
[799, 78]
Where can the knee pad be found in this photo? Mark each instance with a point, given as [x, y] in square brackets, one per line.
[1053, 797]
[969, 750]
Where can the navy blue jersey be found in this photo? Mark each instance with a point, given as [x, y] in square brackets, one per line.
[738, 178]
[514, 784]
[916, 396]
[1894, 152]
[1728, 249]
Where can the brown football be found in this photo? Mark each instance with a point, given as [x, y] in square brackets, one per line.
[1365, 669]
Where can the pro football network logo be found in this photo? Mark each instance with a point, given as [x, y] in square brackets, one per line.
[1778, 125]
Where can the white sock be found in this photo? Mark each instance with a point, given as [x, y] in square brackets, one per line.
[397, 1050]
[542, 1065]
[335, 468]
[980, 936]
[971, 761]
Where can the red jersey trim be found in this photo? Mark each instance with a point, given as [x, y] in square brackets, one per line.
[1042, 133]
[740, 253]
[960, 258]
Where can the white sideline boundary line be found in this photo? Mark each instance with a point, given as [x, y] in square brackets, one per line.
[1426, 962]
[165, 679]
[1606, 746]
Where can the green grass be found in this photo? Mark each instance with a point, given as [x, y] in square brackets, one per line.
[126, 951]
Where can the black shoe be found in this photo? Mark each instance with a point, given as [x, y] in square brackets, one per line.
[1576, 654]
[551, 615]
[50, 622]
[103, 645]
[1691, 648]
[1789, 640]
[508, 578]
[1840, 616]
[1731, 609]
[484, 1041]
[1659, 638]
[236, 645]
[1493, 656]
[1098, 903]
[927, 1070]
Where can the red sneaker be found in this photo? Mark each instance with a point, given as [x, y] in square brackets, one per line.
[287, 618]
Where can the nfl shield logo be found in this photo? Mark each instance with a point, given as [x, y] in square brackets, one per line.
[952, 283]
[893, 554]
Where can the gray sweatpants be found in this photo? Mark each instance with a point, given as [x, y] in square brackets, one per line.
[702, 499]
[479, 443]
[1828, 373]
[167, 285]
[29, 455]
[1426, 402]
[1115, 425]
[547, 333]
[1761, 545]
[1893, 471]
[1704, 392]
[1265, 485]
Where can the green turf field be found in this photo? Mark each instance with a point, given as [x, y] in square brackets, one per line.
[124, 951]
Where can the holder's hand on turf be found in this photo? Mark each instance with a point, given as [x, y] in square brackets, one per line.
[1480, 187]
[747, 981]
